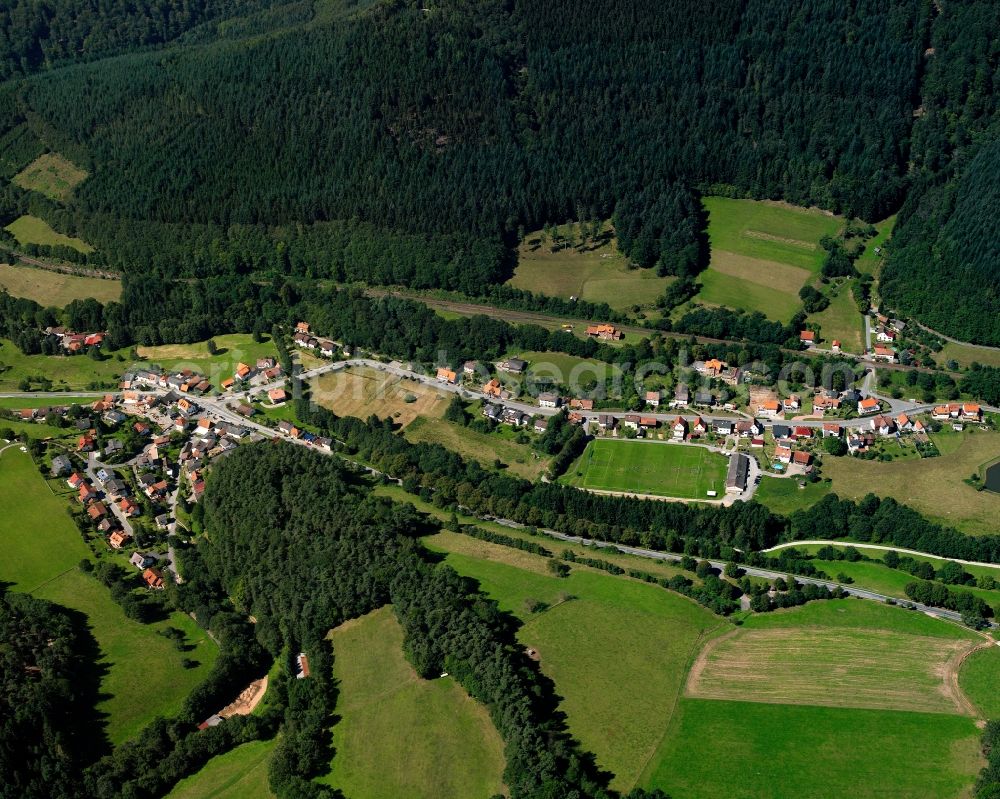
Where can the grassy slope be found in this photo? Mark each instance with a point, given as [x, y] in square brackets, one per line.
[143, 677]
[52, 175]
[932, 486]
[649, 468]
[759, 245]
[613, 627]
[869, 262]
[232, 349]
[238, 774]
[760, 751]
[750, 749]
[521, 459]
[56, 289]
[841, 320]
[783, 495]
[66, 372]
[980, 680]
[362, 392]
[29, 229]
[755, 248]
[399, 735]
[596, 275]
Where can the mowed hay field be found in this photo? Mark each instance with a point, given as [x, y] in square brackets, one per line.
[55, 289]
[669, 470]
[67, 372]
[980, 681]
[595, 274]
[762, 253]
[933, 486]
[34, 230]
[362, 392]
[836, 667]
[616, 649]
[238, 774]
[141, 672]
[814, 705]
[399, 735]
[52, 175]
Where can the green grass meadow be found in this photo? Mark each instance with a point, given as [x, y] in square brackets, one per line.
[29, 229]
[237, 774]
[399, 735]
[762, 254]
[52, 175]
[751, 750]
[612, 636]
[142, 672]
[980, 680]
[595, 274]
[670, 470]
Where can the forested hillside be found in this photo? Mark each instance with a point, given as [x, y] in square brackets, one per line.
[946, 248]
[35, 34]
[471, 119]
[411, 141]
[44, 694]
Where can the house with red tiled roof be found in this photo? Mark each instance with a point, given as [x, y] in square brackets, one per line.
[971, 411]
[770, 408]
[801, 458]
[807, 337]
[153, 578]
[446, 375]
[831, 430]
[783, 454]
[277, 395]
[679, 427]
[118, 538]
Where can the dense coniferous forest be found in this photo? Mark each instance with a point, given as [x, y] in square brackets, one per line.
[410, 142]
[943, 262]
[44, 694]
[475, 117]
[303, 550]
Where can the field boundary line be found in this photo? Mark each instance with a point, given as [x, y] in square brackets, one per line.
[693, 654]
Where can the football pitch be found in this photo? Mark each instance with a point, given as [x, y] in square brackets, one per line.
[669, 470]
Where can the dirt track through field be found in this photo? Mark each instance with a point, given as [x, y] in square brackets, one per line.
[877, 669]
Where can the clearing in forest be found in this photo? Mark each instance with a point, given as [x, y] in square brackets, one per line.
[52, 175]
[29, 229]
[400, 735]
[762, 253]
[56, 289]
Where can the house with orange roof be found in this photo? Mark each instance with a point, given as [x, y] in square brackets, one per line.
[971, 411]
[807, 337]
[97, 511]
[770, 408]
[86, 443]
[884, 353]
[301, 327]
[75, 480]
[85, 493]
[277, 395]
[118, 539]
[801, 458]
[227, 384]
[792, 403]
[653, 398]
[605, 332]
[129, 508]
[831, 430]
[493, 388]
[153, 579]
[714, 367]
[940, 413]
[446, 375]
[783, 454]
[698, 427]
[835, 346]
[903, 423]
[581, 404]
[679, 427]
[868, 405]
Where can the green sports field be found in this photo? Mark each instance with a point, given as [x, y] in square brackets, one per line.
[643, 467]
